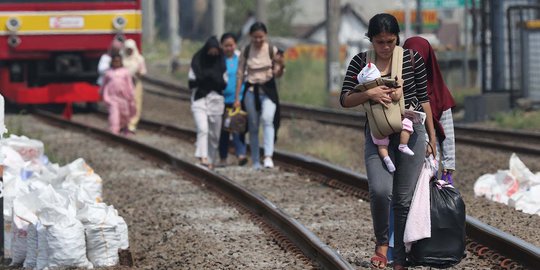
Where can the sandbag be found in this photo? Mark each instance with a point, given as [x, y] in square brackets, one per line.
[447, 226]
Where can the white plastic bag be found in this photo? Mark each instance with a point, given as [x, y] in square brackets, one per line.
[29, 149]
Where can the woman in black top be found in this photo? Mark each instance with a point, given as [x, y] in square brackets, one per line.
[384, 186]
[207, 81]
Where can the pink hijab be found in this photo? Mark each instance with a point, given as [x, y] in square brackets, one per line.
[440, 98]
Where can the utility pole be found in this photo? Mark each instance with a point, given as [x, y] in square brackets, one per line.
[148, 20]
[496, 17]
[218, 18]
[333, 68]
[260, 11]
[407, 8]
[419, 18]
[467, 47]
[174, 39]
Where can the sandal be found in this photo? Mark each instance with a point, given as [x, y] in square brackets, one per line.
[379, 261]
[242, 161]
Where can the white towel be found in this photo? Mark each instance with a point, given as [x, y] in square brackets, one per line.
[418, 225]
[369, 73]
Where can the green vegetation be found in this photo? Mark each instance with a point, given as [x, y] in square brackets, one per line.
[279, 12]
[304, 82]
[517, 119]
[459, 95]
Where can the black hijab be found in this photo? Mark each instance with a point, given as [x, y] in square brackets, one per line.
[208, 69]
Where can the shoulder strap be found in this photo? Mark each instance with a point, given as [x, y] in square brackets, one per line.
[397, 71]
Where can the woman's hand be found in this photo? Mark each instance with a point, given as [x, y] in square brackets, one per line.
[431, 149]
[236, 104]
[381, 94]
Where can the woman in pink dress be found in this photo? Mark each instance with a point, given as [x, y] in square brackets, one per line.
[118, 94]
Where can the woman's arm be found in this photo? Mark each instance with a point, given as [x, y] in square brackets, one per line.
[430, 128]
[192, 79]
[279, 63]
[420, 77]
[350, 98]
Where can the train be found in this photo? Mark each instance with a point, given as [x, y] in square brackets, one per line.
[50, 49]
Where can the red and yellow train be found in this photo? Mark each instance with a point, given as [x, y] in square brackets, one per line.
[49, 50]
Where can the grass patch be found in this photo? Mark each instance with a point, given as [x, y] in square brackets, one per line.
[459, 95]
[517, 119]
[304, 82]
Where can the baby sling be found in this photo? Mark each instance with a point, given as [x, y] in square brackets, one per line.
[382, 120]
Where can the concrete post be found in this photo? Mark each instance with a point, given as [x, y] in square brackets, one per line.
[260, 11]
[148, 22]
[333, 67]
[498, 65]
[218, 18]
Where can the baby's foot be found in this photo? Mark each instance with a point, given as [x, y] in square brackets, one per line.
[389, 164]
[405, 149]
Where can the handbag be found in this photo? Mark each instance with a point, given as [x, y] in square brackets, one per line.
[447, 226]
[234, 120]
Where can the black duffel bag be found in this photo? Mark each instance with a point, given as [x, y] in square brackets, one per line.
[446, 247]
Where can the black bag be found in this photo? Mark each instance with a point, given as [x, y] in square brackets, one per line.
[446, 247]
[234, 120]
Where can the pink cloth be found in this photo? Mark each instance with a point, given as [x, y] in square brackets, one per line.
[383, 141]
[418, 224]
[407, 125]
[118, 94]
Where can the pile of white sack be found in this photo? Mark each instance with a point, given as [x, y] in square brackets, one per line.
[54, 215]
[517, 187]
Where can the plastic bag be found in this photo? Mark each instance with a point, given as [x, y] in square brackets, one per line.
[235, 120]
[447, 226]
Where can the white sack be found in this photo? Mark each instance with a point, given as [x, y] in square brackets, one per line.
[31, 247]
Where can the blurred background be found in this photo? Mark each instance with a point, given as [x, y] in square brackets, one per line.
[486, 49]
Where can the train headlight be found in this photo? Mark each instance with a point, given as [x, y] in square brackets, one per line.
[14, 41]
[13, 24]
[119, 22]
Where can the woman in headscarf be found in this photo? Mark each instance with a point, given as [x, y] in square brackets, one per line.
[207, 81]
[441, 103]
[134, 62]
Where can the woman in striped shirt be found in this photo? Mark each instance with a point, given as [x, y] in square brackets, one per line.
[384, 186]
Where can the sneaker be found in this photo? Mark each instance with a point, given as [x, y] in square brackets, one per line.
[222, 163]
[268, 163]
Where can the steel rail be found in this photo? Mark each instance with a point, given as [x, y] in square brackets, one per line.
[505, 139]
[509, 246]
[310, 245]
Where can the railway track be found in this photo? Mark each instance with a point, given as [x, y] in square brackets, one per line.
[515, 141]
[501, 249]
[290, 234]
